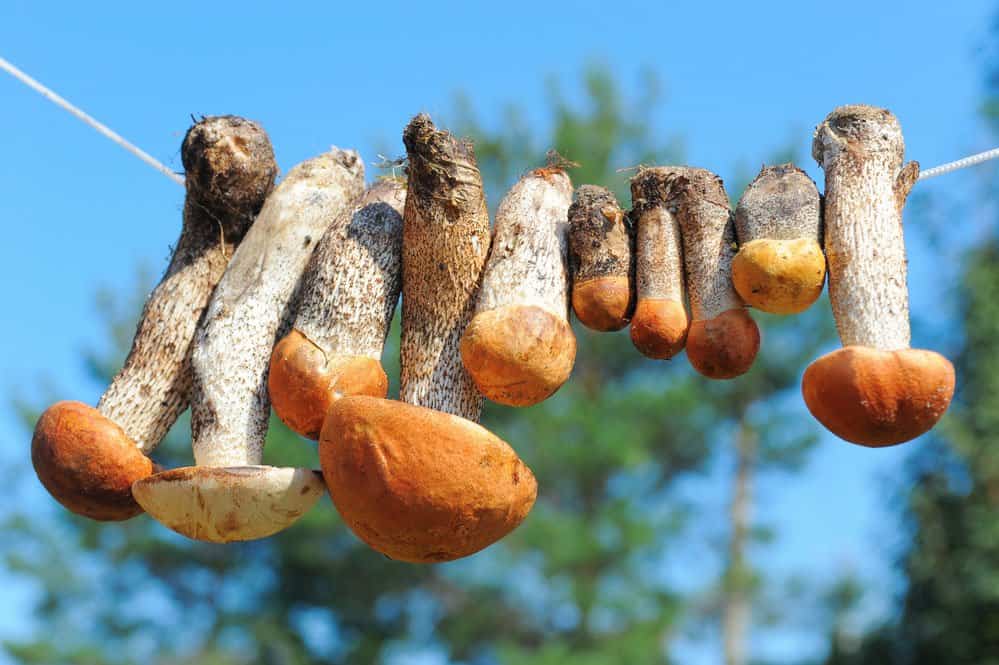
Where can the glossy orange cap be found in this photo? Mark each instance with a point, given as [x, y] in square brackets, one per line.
[723, 347]
[419, 485]
[518, 355]
[659, 328]
[878, 398]
[304, 382]
[87, 462]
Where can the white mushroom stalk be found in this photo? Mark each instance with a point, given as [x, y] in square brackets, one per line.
[519, 347]
[875, 391]
[229, 495]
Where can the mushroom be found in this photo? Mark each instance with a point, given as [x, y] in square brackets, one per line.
[723, 339]
[88, 458]
[519, 347]
[875, 391]
[659, 325]
[780, 267]
[422, 482]
[600, 260]
[230, 495]
[345, 304]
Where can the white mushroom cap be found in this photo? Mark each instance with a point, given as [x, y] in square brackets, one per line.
[226, 504]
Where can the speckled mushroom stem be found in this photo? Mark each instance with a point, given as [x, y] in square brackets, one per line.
[708, 240]
[723, 339]
[781, 203]
[528, 261]
[229, 170]
[231, 407]
[346, 300]
[861, 150]
[659, 325]
[875, 391]
[445, 245]
[601, 262]
[351, 286]
[520, 347]
[780, 267]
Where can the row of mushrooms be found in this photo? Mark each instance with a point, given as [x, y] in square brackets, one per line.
[283, 295]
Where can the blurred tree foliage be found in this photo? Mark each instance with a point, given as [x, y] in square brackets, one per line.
[581, 581]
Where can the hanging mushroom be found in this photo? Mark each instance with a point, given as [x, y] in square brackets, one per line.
[422, 482]
[345, 304]
[875, 391]
[723, 339]
[230, 495]
[780, 267]
[88, 458]
[600, 260]
[659, 325]
[519, 347]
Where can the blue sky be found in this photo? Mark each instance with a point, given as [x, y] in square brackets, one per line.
[742, 79]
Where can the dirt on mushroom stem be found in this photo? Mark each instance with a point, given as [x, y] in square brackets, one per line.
[89, 458]
[660, 322]
[601, 260]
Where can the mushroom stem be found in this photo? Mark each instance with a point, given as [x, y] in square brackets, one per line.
[723, 339]
[346, 301]
[601, 262]
[251, 305]
[659, 325]
[88, 459]
[519, 347]
[445, 245]
[780, 267]
[861, 150]
[875, 391]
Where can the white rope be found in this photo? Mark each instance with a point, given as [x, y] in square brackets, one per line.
[959, 164]
[103, 129]
[152, 161]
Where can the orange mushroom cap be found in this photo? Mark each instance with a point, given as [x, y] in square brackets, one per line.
[723, 347]
[87, 462]
[303, 382]
[518, 355]
[878, 398]
[659, 328]
[603, 303]
[779, 276]
[419, 485]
